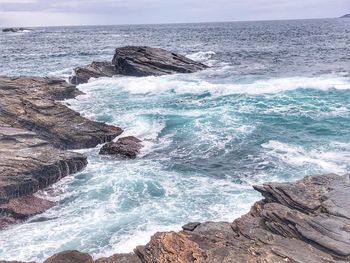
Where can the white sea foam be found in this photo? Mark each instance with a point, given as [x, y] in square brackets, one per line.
[194, 84]
[330, 159]
[201, 56]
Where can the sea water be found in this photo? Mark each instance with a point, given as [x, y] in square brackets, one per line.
[274, 106]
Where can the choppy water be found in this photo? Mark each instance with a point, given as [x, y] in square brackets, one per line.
[275, 106]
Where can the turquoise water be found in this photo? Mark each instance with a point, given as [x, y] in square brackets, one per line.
[263, 112]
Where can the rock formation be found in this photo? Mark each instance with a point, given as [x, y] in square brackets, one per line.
[137, 61]
[345, 16]
[15, 29]
[307, 221]
[34, 131]
[126, 147]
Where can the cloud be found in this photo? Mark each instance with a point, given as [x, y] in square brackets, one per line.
[162, 11]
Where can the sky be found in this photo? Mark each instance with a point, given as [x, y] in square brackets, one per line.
[111, 12]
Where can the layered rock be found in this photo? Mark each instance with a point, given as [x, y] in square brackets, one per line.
[307, 221]
[147, 61]
[137, 61]
[34, 131]
[15, 29]
[126, 147]
[29, 103]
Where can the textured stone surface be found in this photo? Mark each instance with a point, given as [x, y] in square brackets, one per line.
[137, 61]
[34, 131]
[126, 147]
[29, 103]
[94, 70]
[306, 221]
[71, 256]
[147, 61]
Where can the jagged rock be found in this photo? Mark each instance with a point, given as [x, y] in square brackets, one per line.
[120, 258]
[306, 221]
[34, 130]
[126, 147]
[94, 70]
[28, 164]
[147, 61]
[15, 29]
[71, 256]
[137, 61]
[19, 209]
[29, 103]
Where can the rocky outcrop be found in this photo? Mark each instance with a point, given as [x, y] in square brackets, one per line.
[147, 61]
[126, 147]
[137, 61]
[35, 130]
[307, 221]
[345, 16]
[15, 29]
[94, 70]
[29, 103]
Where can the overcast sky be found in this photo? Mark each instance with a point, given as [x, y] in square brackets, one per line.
[97, 12]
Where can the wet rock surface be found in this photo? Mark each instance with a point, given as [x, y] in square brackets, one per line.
[147, 61]
[35, 130]
[305, 221]
[126, 147]
[137, 61]
[30, 103]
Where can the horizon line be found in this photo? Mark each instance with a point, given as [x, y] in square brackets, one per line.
[174, 23]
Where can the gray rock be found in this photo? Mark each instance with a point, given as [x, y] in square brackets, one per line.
[29, 103]
[147, 61]
[94, 70]
[126, 147]
[137, 61]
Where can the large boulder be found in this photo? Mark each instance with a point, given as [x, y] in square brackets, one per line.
[147, 61]
[126, 147]
[137, 61]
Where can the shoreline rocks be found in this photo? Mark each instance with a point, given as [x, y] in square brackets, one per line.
[303, 221]
[138, 61]
[35, 131]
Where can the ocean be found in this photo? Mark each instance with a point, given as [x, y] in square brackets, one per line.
[274, 106]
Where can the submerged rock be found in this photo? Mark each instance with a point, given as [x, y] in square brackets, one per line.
[126, 147]
[137, 61]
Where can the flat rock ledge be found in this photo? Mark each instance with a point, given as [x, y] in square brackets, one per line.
[307, 221]
[137, 61]
[35, 131]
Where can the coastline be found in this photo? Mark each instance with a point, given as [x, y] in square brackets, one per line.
[273, 238]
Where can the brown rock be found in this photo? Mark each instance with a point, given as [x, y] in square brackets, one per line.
[126, 147]
[71, 256]
[120, 258]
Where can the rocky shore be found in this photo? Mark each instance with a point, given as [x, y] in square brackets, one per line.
[303, 221]
[36, 129]
[307, 221]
